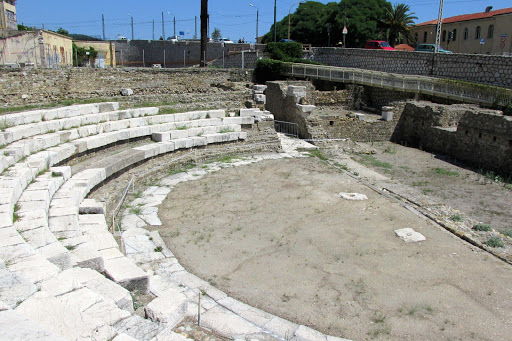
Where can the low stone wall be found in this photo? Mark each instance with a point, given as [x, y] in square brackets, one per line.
[479, 137]
[486, 69]
[43, 86]
[283, 107]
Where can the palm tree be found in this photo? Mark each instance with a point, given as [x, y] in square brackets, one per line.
[204, 32]
[397, 24]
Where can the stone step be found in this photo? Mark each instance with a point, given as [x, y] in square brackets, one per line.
[127, 274]
[14, 289]
[144, 330]
[78, 315]
[34, 116]
[76, 278]
[15, 326]
[189, 132]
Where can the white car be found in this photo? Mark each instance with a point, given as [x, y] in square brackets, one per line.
[174, 39]
[225, 41]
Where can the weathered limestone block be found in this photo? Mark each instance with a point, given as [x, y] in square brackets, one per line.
[169, 308]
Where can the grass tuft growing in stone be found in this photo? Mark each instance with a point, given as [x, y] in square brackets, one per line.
[376, 163]
[318, 154]
[482, 227]
[507, 233]
[446, 172]
[226, 130]
[456, 218]
[158, 249]
[136, 210]
[494, 242]
[180, 168]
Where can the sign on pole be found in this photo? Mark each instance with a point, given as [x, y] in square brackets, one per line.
[345, 31]
[482, 41]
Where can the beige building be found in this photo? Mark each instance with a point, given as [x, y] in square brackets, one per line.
[41, 49]
[8, 21]
[488, 32]
[106, 52]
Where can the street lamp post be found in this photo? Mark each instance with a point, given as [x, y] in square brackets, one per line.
[174, 20]
[257, 19]
[289, 17]
[275, 27]
[132, 24]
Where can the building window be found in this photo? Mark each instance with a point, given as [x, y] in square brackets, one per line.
[454, 35]
[477, 32]
[424, 37]
[490, 31]
[466, 33]
[444, 36]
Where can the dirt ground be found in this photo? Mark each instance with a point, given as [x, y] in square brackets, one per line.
[477, 195]
[276, 235]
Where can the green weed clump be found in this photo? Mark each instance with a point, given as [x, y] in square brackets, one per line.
[444, 171]
[456, 218]
[494, 242]
[482, 227]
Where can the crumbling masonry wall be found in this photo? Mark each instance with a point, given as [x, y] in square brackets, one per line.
[479, 137]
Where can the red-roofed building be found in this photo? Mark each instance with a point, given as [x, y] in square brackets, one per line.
[488, 32]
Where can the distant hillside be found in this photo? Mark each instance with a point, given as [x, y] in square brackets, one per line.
[84, 37]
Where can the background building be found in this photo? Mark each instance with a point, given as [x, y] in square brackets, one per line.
[39, 48]
[8, 21]
[488, 32]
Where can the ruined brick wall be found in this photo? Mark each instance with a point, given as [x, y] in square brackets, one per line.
[486, 69]
[283, 107]
[480, 137]
[40, 86]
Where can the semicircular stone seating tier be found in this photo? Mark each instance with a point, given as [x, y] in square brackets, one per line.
[62, 275]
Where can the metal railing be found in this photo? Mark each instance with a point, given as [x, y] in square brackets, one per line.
[444, 88]
[287, 128]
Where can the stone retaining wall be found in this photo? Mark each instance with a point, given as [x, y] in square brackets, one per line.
[480, 137]
[36, 86]
[486, 69]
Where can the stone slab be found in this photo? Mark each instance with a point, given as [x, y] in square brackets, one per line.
[227, 324]
[124, 272]
[169, 308]
[408, 235]
[15, 326]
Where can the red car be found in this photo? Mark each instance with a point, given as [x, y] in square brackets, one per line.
[378, 45]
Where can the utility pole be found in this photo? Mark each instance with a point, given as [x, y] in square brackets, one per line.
[439, 26]
[153, 30]
[163, 26]
[275, 27]
[328, 34]
[344, 26]
[103, 24]
[438, 35]
[132, 28]
[195, 27]
[204, 28]
[174, 26]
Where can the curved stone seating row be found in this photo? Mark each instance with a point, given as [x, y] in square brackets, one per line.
[132, 121]
[40, 115]
[23, 140]
[17, 177]
[97, 311]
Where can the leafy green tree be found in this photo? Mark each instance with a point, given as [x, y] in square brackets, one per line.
[397, 24]
[308, 24]
[216, 34]
[25, 28]
[81, 54]
[63, 31]
[363, 20]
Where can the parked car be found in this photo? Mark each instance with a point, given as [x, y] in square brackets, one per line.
[378, 45]
[430, 48]
[174, 39]
[286, 41]
[225, 41]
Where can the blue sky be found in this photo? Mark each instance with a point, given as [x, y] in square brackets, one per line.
[235, 18]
